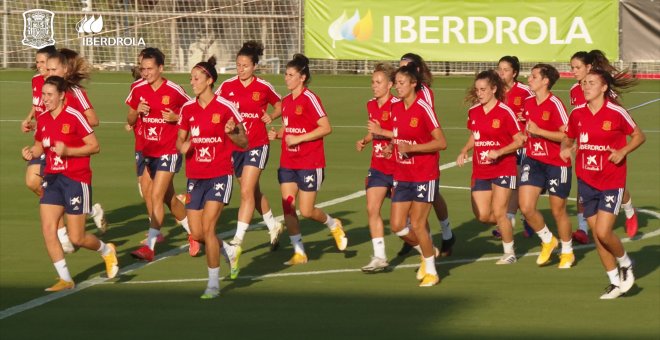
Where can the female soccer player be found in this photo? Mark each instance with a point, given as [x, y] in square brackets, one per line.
[251, 96]
[439, 203]
[417, 138]
[495, 136]
[379, 182]
[508, 68]
[602, 126]
[581, 63]
[68, 142]
[302, 161]
[543, 170]
[156, 102]
[213, 124]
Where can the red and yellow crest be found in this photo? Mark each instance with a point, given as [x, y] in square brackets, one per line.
[517, 101]
[256, 96]
[65, 128]
[496, 124]
[414, 122]
[385, 116]
[546, 115]
[299, 109]
[215, 119]
[165, 100]
[607, 125]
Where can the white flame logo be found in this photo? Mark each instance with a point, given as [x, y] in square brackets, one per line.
[194, 131]
[476, 135]
[584, 138]
[90, 25]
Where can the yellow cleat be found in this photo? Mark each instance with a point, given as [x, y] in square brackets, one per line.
[566, 261]
[430, 280]
[111, 263]
[297, 258]
[421, 272]
[546, 251]
[61, 285]
[339, 235]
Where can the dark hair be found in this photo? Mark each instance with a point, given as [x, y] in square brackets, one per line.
[77, 67]
[135, 71]
[48, 50]
[493, 79]
[515, 65]
[616, 84]
[155, 54]
[387, 69]
[427, 77]
[301, 64]
[252, 49]
[60, 83]
[412, 71]
[598, 61]
[208, 67]
[548, 71]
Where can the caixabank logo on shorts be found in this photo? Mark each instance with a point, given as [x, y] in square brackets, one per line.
[94, 25]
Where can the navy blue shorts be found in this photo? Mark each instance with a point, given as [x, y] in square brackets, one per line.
[521, 154]
[169, 163]
[74, 196]
[257, 157]
[199, 191]
[415, 191]
[307, 179]
[140, 163]
[41, 161]
[377, 178]
[593, 199]
[508, 182]
[556, 180]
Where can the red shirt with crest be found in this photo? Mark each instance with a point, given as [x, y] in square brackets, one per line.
[549, 115]
[383, 115]
[300, 115]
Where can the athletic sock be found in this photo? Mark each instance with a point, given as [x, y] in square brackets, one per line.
[567, 247]
[226, 250]
[92, 212]
[269, 219]
[628, 209]
[446, 229]
[582, 223]
[545, 234]
[508, 247]
[379, 247]
[214, 278]
[62, 235]
[152, 236]
[614, 277]
[241, 228]
[430, 265]
[104, 249]
[330, 222]
[419, 249]
[298, 246]
[184, 223]
[512, 218]
[62, 270]
[624, 261]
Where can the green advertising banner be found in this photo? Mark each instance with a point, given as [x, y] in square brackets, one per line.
[472, 30]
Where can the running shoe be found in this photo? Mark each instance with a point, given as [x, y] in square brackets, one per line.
[143, 253]
[546, 251]
[421, 271]
[111, 263]
[429, 280]
[447, 246]
[566, 261]
[611, 292]
[234, 269]
[339, 235]
[507, 258]
[275, 236]
[580, 236]
[627, 278]
[632, 225]
[297, 258]
[99, 218]
[210, 293]
[194, 246]
[376, 265]
[60, 285]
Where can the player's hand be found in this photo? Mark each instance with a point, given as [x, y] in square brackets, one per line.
[616, 156]
[59, 149]
[532, 128]
[404, 148]
[26, 152]
[170, 116]
[185, 147]
[27, 126]
[272, 134]
[143, 107]
[462, 158]
[128, 127]
[565, 154]
[292, 140]
[494, 154]
[230, 127]
[373, 126]
[266, 118]
[360, 144]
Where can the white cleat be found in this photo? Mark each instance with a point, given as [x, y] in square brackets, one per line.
[611, 292]
[99, 218]
[627, 278]
[376, 265]
[507, 258]
[275, 236]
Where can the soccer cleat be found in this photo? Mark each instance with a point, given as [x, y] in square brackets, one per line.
[507, 258]
[210, 293]
[194, 247]
[405, 249]
[99, 218]
[275, 236]
[429, 280]
[546, 251]
[527, 229]
[61, 285]
[234, 269]
[627, 278]
[376, 265]
[236, 241]
[339, 235]
[611, 292]
[159, 239]
[111, 263]
[297, 258]
[447, 246]
[581, 237]
[421, 271]
[496, 233]
[632, 225]
[143, 253]
[67, 247]
[566, 260]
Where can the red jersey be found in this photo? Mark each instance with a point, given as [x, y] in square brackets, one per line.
[69, 127]
[492, 131]
[549, 115]
[251, 101]
[159, 136]
[515, 99]
[427, 94]
[595, 135]
[38, 104]
[137, 127]
[577, 95]
[210, 147]
[76, 98]
[300, 115]
[383, 115]
[414, 126]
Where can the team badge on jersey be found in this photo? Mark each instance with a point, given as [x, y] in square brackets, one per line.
[546, 115]
[517, 101]
[414, 122]
[496, 124]
[256, 96]
[299, 110]
[66, 128]
[215, 119]
[165, 100]
[607, 125]
[385, 116]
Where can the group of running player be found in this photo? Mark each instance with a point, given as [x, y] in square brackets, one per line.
[521, 136]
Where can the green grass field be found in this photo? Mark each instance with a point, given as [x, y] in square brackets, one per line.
[328, 297]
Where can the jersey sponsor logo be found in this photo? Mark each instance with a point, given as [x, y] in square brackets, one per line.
[483, 158]
[285, 121]
[205, 154]
[476, 134]
[545, 115]
[299, 110]
[584, 137]
[607, 125]
[45, 141]
[414, 122]
[57, 163]
[206, 140]
[194, 131]
[153, 133]
[165, 100]
[594, 147]
[385, 116]
[153, 120]
[256, 96]
[486, 143]
[250, 115]
[295, 130]
[592, 162]
[517, 100]
[215, 118]
[496, 124]
[66, 128]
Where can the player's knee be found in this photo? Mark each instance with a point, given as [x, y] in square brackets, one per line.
[288, 206]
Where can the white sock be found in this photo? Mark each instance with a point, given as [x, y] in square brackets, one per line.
[379, 247]
[104, 249]
[92, 212]
[152, 236]
[430, 265]
[62, 270]
[298, 246]
[614, 277]
[628, 208]
[62, 235]
[241, 228]
[330, 222]
[446, 229]
[545, 234]
[508, 247]
[226, 250]
[269, 219]
[184, 224]
[512, 218]
[582, 223]
[418, 248]
[214, 278]
[624, 261]
[567, 247]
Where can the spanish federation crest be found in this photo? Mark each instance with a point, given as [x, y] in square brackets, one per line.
[38, 28]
